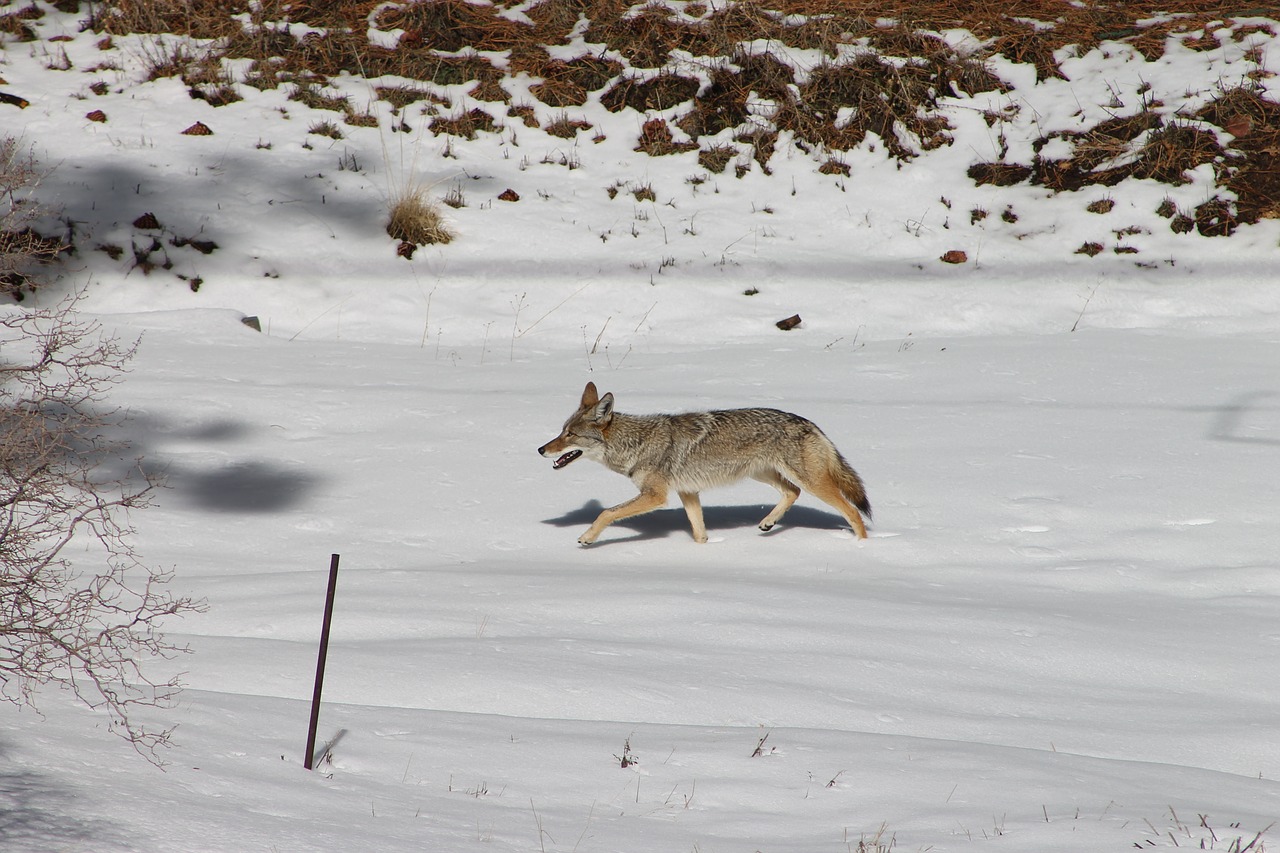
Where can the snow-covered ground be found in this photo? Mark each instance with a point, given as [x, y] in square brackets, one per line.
[1063, 633]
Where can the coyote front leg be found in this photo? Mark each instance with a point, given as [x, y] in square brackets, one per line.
[693, 509]
[653, 495]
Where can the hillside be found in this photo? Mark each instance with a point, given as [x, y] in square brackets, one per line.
[707, 143]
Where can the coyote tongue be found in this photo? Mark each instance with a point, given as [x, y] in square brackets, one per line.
[566, 459]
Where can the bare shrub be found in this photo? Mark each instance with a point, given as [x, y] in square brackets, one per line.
[22, 249]
[88, 625]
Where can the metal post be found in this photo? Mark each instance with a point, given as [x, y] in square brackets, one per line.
[320, 660]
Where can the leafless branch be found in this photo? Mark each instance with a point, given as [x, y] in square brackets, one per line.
[90, 625]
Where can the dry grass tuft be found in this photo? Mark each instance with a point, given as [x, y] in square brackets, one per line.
[833, 166]
[657, 140]
[715, 158]
[465, 125]
[415, 219]
[566, 84]
[309, 93]
[326, 128]
[660, 93]
[564, 127]
[451, 25]
[15, 23]
[999, 174]
[1254, 150]
[402, 96]
[723, 106]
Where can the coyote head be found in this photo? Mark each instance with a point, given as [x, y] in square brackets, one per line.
[584, 432]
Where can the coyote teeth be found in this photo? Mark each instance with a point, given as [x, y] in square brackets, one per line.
[566, 459]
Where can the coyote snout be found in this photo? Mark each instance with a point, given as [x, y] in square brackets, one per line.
[695, 451]
[547, 450]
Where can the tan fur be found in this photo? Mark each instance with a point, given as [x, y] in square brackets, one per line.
[695, 451]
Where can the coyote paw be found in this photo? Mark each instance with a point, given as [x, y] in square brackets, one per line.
[765, 528]
[586, 539]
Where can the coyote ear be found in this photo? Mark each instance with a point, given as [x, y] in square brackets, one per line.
[589, 395]
[603, 412]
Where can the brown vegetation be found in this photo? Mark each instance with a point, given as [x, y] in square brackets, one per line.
[886, 69]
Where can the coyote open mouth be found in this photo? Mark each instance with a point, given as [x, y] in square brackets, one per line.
[566, 459]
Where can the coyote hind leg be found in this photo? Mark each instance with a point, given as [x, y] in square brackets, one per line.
[789, 491]
[693, 509]
[825, 489]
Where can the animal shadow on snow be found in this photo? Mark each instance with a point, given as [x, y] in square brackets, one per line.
[664, 523]
[1235, 417]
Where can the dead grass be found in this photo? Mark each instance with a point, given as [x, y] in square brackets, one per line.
[999, 174]
[715, 158]
[722, 106]
[1253, 152]
[326, 128]
[402, 96]
[414, 218]
[15, 23]
[465, 125]
[835, 167]
[527, 114]
[313, 96]
[564, 127]
[657, 140]
[647, 33]
[449, 26]
[885, 69]
[659, 93]
[566, 84]
[1145, 145]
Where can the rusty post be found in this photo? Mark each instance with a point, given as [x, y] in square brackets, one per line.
[320, 661]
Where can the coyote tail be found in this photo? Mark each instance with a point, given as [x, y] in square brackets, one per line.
[850, 485]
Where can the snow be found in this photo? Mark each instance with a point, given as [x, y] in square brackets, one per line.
[1063, 633]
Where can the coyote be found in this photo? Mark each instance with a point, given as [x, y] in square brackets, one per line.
[698, 450]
